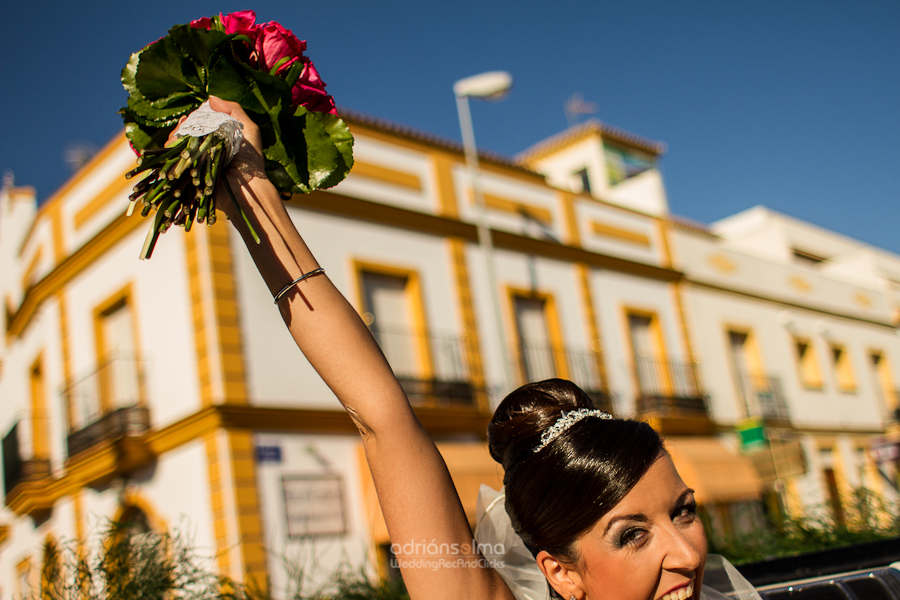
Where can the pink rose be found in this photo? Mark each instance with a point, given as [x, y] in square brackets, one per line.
[241, 22]
[201, 23]
[274, 43]
[309, 91]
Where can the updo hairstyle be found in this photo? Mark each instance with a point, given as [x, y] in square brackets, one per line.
[557, 494]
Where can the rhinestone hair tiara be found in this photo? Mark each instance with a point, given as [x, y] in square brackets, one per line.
[566, 420]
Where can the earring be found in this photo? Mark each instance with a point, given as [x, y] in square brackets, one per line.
[572, 597]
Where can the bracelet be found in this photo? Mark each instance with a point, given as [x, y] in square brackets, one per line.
[285, 289]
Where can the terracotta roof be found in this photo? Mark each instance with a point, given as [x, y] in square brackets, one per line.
[584, 130]
[353, 117]
[685, 224]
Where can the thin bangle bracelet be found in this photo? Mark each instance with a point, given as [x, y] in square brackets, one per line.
[286, 288]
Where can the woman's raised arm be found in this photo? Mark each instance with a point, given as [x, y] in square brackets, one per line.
[414, 488]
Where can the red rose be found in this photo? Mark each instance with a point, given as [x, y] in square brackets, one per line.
[201, 23]
[309, 91]
[274, 43]
[241, 22]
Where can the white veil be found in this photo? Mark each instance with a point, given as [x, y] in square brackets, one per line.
[505, 551]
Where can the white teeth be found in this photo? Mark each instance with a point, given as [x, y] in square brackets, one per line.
[682, 594]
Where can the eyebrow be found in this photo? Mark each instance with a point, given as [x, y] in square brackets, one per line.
[641, 516]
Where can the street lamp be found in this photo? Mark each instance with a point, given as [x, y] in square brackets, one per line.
[493, 85]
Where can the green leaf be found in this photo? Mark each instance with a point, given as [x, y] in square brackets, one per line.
[142, 136]
[340, 136]
[228, 82]
[329, 153]
[200, 45]
[164, 109]
[159, 70]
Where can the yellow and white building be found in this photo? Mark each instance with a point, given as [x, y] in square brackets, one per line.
[167, 391]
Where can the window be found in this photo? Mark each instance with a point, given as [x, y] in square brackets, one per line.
[807, 258]
[582, 176]
[832, 489]
[881, 373]
[648, 353]
[747, 367]
[843, 369]
[622, 164]
[537, 355]
[117, 359]
[392, 308]
[807, 365]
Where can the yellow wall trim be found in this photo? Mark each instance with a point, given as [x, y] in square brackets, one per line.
[587, 299]
[573, 235]
[219, 509]
[215, 313]
[4, 534]
[513, 206]
[109, 459]
[803, 307]
[246, 508]
[386, 175]
[70, 267]
[31, 268]
[623, 235]
[98, 202]
[332, 203]
[469, 319]
[59, 238]
[443, 171]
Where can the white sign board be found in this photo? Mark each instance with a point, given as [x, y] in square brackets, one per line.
[314, 505]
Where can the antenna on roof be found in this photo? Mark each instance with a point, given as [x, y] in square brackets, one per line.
[576, 106]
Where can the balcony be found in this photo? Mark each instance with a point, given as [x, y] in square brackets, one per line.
[26, 470]
[106, 406]
[669, 396]
[541, 361]
[432, 369]
[762, 398]
[16, 468]
[129, 421]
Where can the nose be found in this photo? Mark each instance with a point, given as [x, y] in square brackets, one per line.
[682, 554]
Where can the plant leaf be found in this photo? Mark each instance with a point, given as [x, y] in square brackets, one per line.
[159, 71]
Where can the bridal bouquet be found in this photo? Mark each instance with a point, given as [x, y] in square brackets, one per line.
[262, 67]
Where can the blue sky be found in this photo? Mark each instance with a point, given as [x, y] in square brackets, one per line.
[795, 105]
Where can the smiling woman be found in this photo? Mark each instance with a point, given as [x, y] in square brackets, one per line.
[596, 500]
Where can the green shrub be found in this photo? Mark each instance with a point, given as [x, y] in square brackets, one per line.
[867, 518]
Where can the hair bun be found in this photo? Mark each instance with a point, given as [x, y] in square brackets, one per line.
[526, 413]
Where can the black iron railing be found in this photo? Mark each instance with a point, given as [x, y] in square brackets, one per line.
[669, 388]
[582, 367]
[763, 398]
[119, 382]
[432, 369]
[130, 421]
[17, 468]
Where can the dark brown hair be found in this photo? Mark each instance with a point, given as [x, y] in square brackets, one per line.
[557, 494]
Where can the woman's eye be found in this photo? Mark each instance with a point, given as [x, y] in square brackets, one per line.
[631, 537]
[686, 513]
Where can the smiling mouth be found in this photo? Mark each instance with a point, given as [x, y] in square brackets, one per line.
[680, 594]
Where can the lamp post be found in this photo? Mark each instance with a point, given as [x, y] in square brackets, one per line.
[493, 85]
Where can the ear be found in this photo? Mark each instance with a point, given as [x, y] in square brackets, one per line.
[563, 577]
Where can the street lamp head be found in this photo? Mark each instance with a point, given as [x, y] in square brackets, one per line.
[493, 85]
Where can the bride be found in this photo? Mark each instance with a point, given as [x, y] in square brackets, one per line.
[596, 501]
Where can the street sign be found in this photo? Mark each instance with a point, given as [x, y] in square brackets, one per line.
[752, 434]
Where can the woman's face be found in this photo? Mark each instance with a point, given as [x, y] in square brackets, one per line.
[650, 546]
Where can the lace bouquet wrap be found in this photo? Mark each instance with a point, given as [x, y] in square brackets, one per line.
[263, 68]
